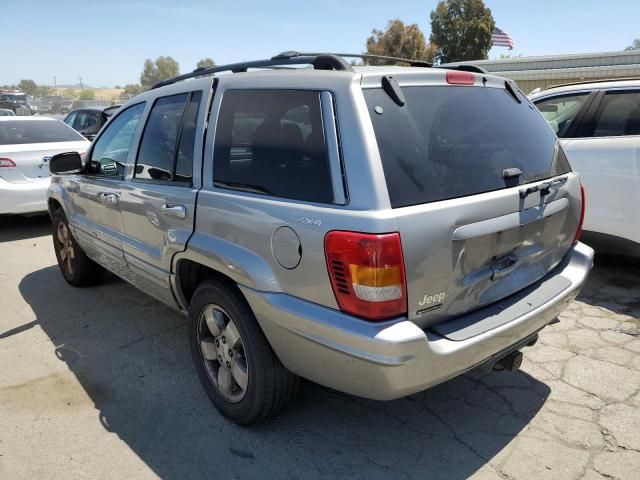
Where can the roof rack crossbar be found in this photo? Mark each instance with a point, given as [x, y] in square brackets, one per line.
[318, 61]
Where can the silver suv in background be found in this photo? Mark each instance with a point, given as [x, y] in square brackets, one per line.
[377, 230]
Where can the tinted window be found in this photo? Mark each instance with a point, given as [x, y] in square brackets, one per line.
[158, 146]
[184, 160]
[272, 142]
[36, 131]
[109, 154]
[559, 112]
[449, 142]
[70, 118]
[166, 149]
[618, 114]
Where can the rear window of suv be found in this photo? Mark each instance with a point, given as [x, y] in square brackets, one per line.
[449, 142]
[20, 132]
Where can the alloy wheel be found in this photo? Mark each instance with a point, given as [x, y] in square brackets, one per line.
[222, 353]
[65, 247]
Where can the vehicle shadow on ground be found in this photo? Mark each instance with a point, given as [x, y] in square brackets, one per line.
[18, 227]
[130, 355]
[614, 284]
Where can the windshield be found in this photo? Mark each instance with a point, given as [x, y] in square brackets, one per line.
[449, 142]
[20, 132]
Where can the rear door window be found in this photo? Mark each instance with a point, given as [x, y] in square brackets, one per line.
[272, 142]
[618, 115]
[559, 112]
[450, 142]
[167, 145]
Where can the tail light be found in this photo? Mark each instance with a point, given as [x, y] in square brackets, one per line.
[582, 211]
[7, 162]
[367, 273]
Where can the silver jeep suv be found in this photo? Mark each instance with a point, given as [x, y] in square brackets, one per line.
[377, 230]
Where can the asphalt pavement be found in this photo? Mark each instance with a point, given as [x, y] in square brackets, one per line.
[98, 383]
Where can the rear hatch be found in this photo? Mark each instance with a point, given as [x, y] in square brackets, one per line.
[30, 144]
[485, 199]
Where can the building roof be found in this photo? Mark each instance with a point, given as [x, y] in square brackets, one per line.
[547, 62]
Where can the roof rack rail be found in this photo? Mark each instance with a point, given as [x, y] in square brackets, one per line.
[319, 61]
[363, 56]
[597, 80]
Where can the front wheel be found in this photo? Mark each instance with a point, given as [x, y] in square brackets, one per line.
[77, 269]
[237, 367]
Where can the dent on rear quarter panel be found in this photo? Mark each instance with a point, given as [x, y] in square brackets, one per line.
[240, 264]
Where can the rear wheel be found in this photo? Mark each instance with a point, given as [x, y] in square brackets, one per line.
[237, 367]
[77, 269]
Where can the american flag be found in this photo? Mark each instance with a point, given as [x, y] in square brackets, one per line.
[500, 38]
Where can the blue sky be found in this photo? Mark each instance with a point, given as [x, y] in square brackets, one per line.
[107, 41]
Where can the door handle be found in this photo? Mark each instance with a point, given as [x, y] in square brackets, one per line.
[108, 198]
[175, 211]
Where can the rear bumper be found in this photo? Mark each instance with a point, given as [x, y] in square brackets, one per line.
[395, 359]
[23, 197]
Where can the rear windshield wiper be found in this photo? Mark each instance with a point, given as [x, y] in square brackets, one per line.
[247, 187]
[509, 88]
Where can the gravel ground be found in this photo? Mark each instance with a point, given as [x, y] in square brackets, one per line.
[98, 383]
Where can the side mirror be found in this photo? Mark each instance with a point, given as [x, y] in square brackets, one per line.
[66, 163]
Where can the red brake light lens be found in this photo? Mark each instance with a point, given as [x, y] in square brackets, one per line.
[455, 77]
[367, 273]
[582, 211]
[6, 162]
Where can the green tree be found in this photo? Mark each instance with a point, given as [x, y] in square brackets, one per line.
[462, 30]
[161, 69]
[635, 45]
[206, 62]
[87, 95]
[399, 40]
[28, 86]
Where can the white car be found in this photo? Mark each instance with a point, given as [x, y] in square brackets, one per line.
[598, 124]
[26, 145]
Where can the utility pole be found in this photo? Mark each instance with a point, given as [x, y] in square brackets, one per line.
[55, 84]
[81, 87]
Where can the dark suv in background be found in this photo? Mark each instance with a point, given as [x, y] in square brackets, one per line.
[17, 103]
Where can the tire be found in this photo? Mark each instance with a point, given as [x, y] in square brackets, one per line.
[269, 385]
[76, 268]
